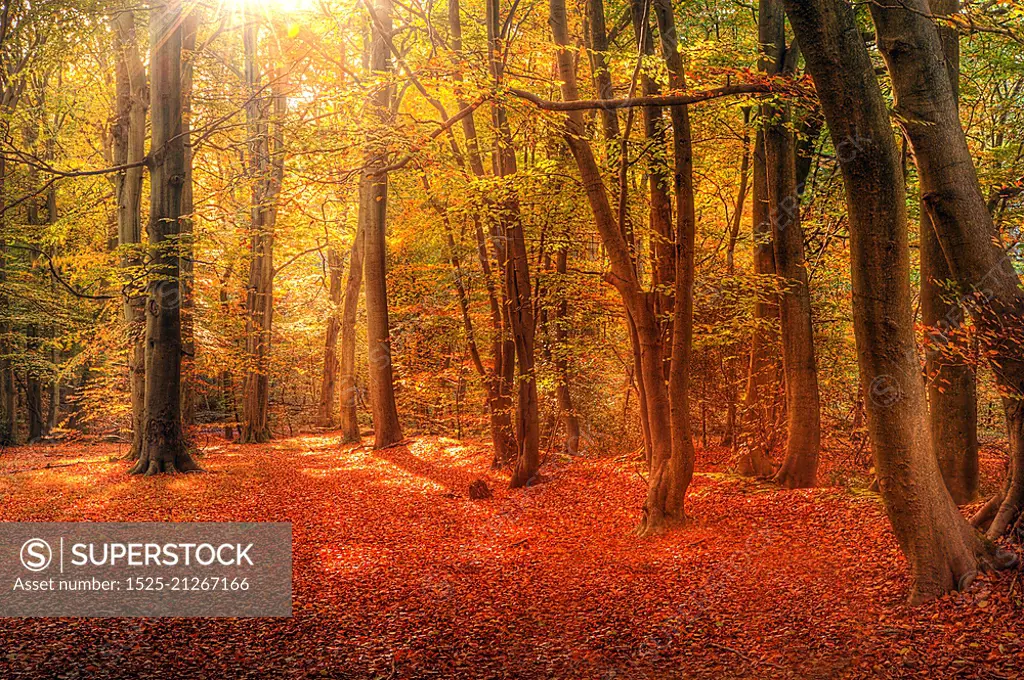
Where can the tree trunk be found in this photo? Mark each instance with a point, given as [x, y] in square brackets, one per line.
[803, 410]
[190, 27]
[674, 479]
[925, 100]
[518, 297]
[662, 243]
[952, 390]
[329, 384]
[759, 399]
[668, 482]
[563, 395]
[600, 68]
[373, 220]
[163, 446]
[502, 371]
[129, 146]
[943, 550]
[730, 364]
[266, 170]
[347, 364]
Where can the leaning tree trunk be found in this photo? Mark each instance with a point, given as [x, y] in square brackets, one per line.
[668, 482]
[266, 170]
[943, 550]
[163, 446]
[129, 146]
[325, 416]
[803, 409]
[952, 389]
[373, 212]
[925, 100]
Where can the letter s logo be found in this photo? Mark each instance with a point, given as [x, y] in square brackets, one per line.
[36, 554]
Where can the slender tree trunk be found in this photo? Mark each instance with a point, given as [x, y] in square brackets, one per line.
[925, 100]
[563, 395]
[502, 370]
[668, 482]
[758, 412]
[518, 297]
[163, 446]
[348, 386]
[373, 220]
[129, 146]
[266, 169]
[943, 550]
[329, 384]
[33, 379]
[8, 391]
[227, 381]
[674, 478]
[662, 241]
[803, 409]
[730, 438]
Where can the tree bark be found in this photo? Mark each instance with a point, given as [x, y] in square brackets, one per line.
[925, 100]
[952, 390]
[803, 409]
[266, 171]
[329, 384]
[348, 386]
[759, 398]
[502, 371]
[373, 221]
[190, 27]
[668, 482]
[674, 478]
[163, 446]
[563, 395]
[518, 296]
[943, 551]
[129, 146]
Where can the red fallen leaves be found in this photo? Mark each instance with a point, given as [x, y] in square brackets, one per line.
[398, 574]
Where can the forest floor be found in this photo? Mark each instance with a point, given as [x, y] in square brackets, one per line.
[398, 574]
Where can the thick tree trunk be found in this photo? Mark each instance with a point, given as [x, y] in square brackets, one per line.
[943, 550]
[952, 389]
[925, 99]
[803, 410]
[163, 446]
[373, 221]
[266, 170]
[325, 416]
[129, 146]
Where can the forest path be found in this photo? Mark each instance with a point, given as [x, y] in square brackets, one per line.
[397, 574]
